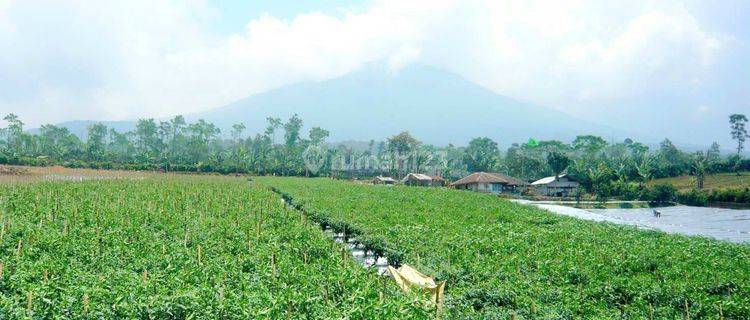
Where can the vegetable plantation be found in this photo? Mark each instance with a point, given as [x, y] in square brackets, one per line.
[504, 260]
[177, 248]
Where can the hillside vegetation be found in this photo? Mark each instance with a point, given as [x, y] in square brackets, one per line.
[713, 182]
[175, 248]
[501, 259]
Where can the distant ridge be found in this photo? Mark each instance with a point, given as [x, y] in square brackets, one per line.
[436, 106]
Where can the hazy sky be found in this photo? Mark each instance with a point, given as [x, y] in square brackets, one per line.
[609, 61]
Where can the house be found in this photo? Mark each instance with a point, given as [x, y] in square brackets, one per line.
[496, 183]
[556, 186]
[419, 179]
[383, 180]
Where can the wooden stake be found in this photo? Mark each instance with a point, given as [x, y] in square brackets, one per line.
[29, 301]
[18, 248]
[2, 267]
[145, 275]
[85, 303]
[273, 265]
[46, 275]
[687, 310]
[200, 254]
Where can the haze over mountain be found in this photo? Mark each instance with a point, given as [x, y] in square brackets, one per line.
[375, 102]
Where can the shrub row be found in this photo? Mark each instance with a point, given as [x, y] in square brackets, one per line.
[703, 198]
[660, 193]
[375, 245]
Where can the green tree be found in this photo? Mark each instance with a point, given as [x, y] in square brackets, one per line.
[399, 147]
[482, 154]
[147, 139]
[58, 142]
[14, 135]
[699, 168]
[738, 132]
[589, 144]
[273, 125]
[318, 135]
[238, 151]
[558, 162]
[96, 142]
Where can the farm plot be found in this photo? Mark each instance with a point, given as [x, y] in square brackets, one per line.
[176, 247]
[502, 259]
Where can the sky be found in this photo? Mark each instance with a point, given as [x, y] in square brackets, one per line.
[678, 67]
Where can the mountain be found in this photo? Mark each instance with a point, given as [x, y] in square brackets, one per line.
[435, 106]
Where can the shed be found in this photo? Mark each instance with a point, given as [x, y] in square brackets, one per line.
[496, 183]
[383, 180]
[556, 186]
[420, 179]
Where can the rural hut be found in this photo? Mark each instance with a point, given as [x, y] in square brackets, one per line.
[496, 183]
[556, 186]
[423, 180]
[383, 180]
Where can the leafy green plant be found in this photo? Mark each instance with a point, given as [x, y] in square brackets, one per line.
[501, 259]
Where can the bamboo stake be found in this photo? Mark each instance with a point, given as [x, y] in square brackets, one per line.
[145, 275]
[2, 267]
[200, 254]
[29, 301]
[687, 310]
[46, 275]
[85, 303]
[273, 265]
[18, 248]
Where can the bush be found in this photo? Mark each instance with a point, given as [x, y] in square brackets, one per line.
[660, 193]
[693, 198]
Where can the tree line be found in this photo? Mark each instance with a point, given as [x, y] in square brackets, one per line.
[174, 145]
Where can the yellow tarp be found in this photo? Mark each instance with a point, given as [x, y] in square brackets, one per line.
[407, 277]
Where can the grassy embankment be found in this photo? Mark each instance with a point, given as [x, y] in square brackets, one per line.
[500, 258]
[716, 181]
[174, 248]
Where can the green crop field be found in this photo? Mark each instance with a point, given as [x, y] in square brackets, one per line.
[176, 248]
[715, 181]
[501, 259]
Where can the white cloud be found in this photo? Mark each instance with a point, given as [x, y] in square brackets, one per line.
[116, 60]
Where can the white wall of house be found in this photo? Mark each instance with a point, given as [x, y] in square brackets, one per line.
[561, 185]
[495, 188]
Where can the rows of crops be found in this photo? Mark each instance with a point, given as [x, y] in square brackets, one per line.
[176, 248]
[501, 259]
